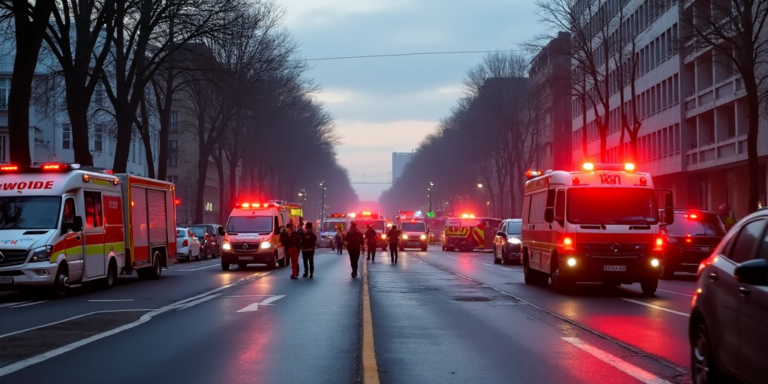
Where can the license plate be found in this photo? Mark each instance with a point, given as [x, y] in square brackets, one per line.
[6, 280]
[615, 268]
[705, 249]
[245, 258]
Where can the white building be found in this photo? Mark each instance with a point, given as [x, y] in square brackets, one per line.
[399, 160]
[693, 113]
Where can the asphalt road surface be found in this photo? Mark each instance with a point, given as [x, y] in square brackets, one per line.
[435, 317]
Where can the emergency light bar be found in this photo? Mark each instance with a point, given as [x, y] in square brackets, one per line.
[467, 216]
[48, 167]
[251, 205]
[530, 174]
[628, 167]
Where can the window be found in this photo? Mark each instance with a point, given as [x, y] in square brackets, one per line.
[209, 207]
[560, 205]
[94, 217]
[68, 216]
[536, 211]
[3, 140]
[174, 121]
[173, 161]
[5, 92]
[98, 138]
[173, 144]
[744, 247]
[66, 136]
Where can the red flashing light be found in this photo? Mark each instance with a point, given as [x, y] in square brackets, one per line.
[531, 173]
[366, 213]
[629, 167]
[9, 168]
[576, 181]
[568, 244]
[643, 181]
[589, 166]
[52, 167]
[177, 202]
[109, 172]
[688, 238]
[659, 244]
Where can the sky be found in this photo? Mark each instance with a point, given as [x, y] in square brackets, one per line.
[385, 105]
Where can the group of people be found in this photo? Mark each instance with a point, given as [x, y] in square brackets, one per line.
[356, 241]
[301, 240]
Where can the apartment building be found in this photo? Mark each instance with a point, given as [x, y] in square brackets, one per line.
[550, 74]
[692, 110]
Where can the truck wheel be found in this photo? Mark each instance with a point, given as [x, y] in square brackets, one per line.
[109, 280]
[561, 285]
[155, 272]
[424, 249]
[60, 284]
[649, 286]
[224, 266]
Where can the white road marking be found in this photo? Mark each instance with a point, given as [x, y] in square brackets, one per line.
[19, 365]
[657, 307]
[196, 302]
[30, 304]
[71, 318]
[197, 269]
[255, 306]
[632, 370]
[110, 301]
[13, 304]
[676, 293]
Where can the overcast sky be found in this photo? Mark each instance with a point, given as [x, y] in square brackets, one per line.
[382, 105]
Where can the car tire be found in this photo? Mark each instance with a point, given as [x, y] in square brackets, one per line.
[649, 286]
[424, 249]
[275, 262]
[443, 248]
[561, 284]
[667, 271]
[703, 365]
[60, 285]
[496, 260]
[224, 266]
[109, 280]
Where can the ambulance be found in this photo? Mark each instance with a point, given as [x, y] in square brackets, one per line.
[467, 233]
[61, 226]
[331, 223]
[379, 224]
[252, 235]
[600, 224]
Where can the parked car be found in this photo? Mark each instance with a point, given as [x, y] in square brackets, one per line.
[208, 234]
[187, 245]
[728, 327]
[507, 247]
[689, 240]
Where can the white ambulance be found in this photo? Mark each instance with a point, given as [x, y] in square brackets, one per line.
[61, 226]
[600, 224]
[252, 235]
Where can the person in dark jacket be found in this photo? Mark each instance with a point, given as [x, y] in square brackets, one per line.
[393, 236]
[371, 239]
[308, 241]
[354, 243]
[291, 243]
[339, 240]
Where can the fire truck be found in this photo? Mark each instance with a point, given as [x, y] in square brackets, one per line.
[379, 224]
[61, 226]
[467, 233]
[599, 224]
[252, 235]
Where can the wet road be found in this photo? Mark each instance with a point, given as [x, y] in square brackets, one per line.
[437, 317]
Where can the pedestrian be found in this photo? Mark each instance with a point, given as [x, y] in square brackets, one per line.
[308, 241]
[371, 240]
[354, 243]
[725, 215]
[339, 240]
[291, 243]
[393, 236]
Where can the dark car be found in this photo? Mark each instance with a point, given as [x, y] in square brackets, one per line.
[507, 247]
[209, 239]
[728, 328]
[690, 239]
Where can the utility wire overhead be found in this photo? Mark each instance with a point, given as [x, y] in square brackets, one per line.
[410, 54]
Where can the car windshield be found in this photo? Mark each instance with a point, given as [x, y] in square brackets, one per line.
[198, 231]
[378, 225]
[611, 206]
[34, 212]
[331, 226]
[413, 227]
[696, 225]
[180, 233]
[250, 224]
[514, 228]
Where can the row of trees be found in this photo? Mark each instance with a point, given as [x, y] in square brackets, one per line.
[228, 68]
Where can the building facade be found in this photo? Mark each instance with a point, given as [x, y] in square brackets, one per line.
[692, 109]
[399, 160]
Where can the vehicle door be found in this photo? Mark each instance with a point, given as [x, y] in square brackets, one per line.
[500, 239]
[94, 260]
[194, 243]
[278, 229]
[753, 324]
[72, 238]
[725, 289]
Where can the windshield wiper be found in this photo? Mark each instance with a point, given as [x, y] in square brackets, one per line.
[597, 221]
[631, 221]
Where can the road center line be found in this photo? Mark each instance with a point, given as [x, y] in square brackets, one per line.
[632, 370]
[13, 304]
[656, 307]
[30, 304]
[370, 366]
[676, 293]
[110, 301]
[197, 269]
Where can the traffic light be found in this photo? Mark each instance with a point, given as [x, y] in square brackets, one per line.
[431, 214]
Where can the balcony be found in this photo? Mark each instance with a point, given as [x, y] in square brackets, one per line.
[714, 154]
[710, 97]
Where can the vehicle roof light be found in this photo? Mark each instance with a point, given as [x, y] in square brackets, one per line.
[246, 205]
[576, 181]
[53, 167]
[532, 173]
[629, 167]
[8, 168]
[589, 167]
[643, 181]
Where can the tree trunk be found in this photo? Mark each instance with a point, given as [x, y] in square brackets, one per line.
[77, 110]
[146, 139]
[219, 160]
[202, 174]
[29, 39]
[123, 140]
[164, 106]
[750, 86]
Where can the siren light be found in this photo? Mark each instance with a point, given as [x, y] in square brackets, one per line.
[532, 173]
[8, 168]
[629, 167]
[589, 166]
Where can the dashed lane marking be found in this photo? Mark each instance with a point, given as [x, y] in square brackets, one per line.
[676, 293]
[656, 307]
[110, 301]
[30, 304]
[199, 268]
[70, 318]
[10, 305]
[638, 373]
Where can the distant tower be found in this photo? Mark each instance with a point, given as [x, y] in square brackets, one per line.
[399, 160]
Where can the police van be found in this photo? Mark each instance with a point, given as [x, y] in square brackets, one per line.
[252, 235]
[600, 224]
[61, 226]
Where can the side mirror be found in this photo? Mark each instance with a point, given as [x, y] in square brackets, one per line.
[77, 224]
[549, 214]
[669, 216]
[501, 234]
[753, 272]
[222, 232]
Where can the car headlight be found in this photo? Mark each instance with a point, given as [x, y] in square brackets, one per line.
[423, 237]
[226, 246]
[383, 237]
[42, 254]
[266, 245]
[514, 240]
[405, 237]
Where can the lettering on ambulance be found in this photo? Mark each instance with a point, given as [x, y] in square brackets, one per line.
[610, 179]
[19, 186]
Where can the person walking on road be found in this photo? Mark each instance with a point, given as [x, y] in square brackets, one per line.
[308, 241]
[339, 240]
[724, 212]
[291, 243]
[393, 236]
[371, 240]
[354, 243]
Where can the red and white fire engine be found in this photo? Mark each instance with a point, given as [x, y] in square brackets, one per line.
[600, 224]
[61, 226]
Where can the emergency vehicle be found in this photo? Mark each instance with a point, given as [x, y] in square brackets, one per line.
[600, 224]
[415, 234]
[365, 218]
[252, 235]
[468, 232]
[331, 223]
[61, 226]
[295, 210]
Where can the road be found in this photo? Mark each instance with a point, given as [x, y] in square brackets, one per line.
[435, 317]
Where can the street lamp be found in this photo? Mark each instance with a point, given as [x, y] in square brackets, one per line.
[477, 195]
[431, 184]
[322, 203]
[303, 195]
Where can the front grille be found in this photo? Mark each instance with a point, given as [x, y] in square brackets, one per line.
[13, 257]
[252, 247]
[614, 250]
